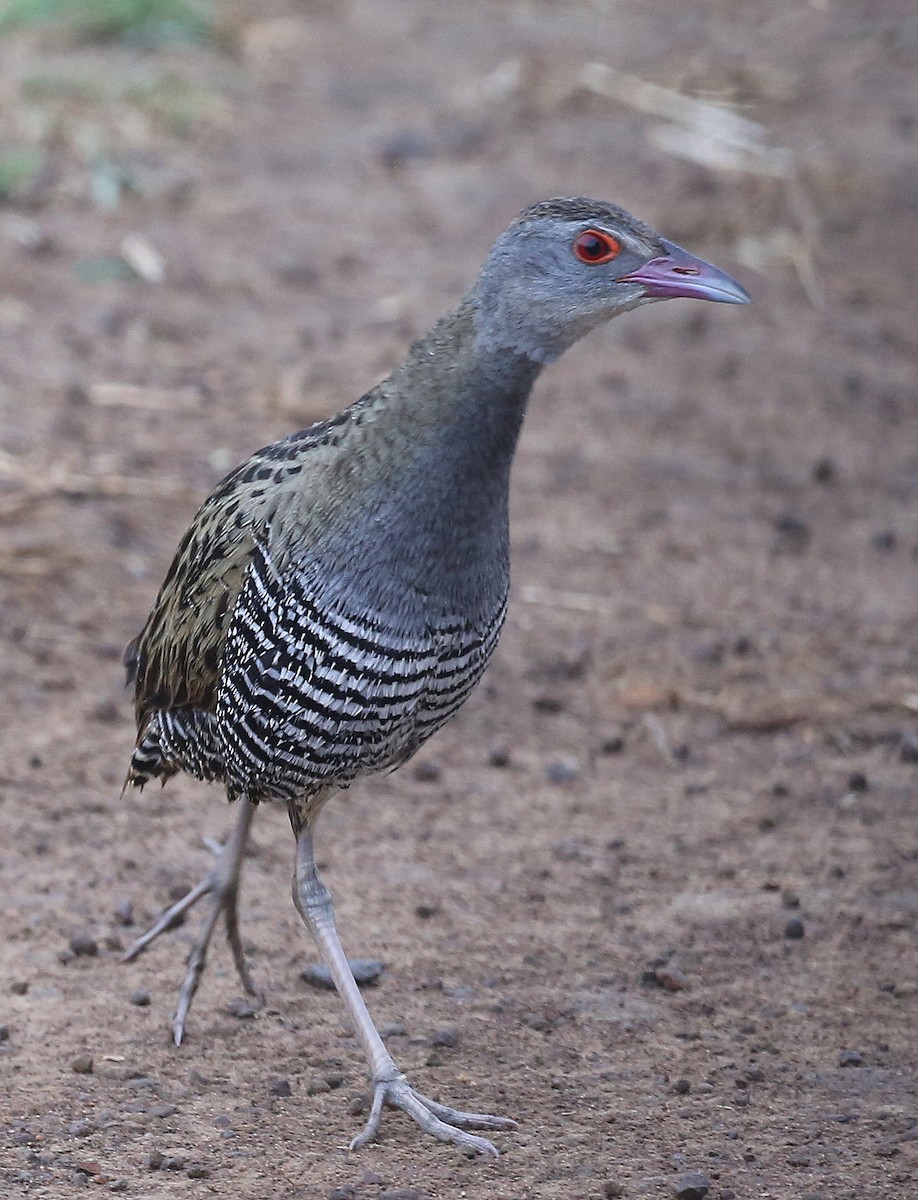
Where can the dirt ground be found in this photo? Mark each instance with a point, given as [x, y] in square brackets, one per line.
[654, 892]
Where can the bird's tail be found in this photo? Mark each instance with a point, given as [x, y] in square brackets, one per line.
[176, 739]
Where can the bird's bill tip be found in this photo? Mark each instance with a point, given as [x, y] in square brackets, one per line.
[677, 273]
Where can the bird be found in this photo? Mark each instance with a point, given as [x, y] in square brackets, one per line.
[338, 596]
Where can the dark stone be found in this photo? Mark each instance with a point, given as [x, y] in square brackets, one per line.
[857, 782]
[682, 1087]
[693, 1185]
[82, 1065]
[824, 471]
[427, 772]
[279, 1087]
[197, 1171]
[141, 998]
[242, 1009]
[366, 972]
[884, 540]
[426, 911]
[499, 757]
[850, 1058]
[562, 771]
[794, 929]
[83, 944]
[908, 747]
[347, 1192]
[447, 1037]
[799, 1158]
[124, 913]
[792, 535]
[612, 1189]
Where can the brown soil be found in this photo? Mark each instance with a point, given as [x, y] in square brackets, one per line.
[693, 732]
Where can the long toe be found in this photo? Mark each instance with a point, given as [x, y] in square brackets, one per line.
[438, 1120]
[169, 919]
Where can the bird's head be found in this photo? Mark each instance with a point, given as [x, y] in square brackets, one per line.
[565, 266]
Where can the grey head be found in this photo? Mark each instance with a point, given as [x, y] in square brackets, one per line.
[566, 266]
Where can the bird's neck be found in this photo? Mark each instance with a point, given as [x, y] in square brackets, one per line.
[438, 438]
[462, 400]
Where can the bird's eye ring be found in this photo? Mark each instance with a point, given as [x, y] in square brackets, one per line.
[595, 247]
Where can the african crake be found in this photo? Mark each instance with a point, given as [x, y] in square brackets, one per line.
[340, 594]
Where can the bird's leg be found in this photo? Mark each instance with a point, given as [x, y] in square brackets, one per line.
[222, 884]
[313, 901]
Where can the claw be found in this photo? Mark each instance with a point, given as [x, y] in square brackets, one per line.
[438, 1120]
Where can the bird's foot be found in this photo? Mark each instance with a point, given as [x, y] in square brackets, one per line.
[439, 1120]
[221, 884]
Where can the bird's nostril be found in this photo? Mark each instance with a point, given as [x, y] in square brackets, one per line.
[686, 271]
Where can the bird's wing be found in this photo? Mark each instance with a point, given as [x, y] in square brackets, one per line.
[175, 660]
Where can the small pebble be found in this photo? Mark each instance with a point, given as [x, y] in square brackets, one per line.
[908, 747]
[19, 988]
[82, 944]
[857, 782]
[426, 911]
[726, 1194]
[850, 1058]
[799, 1158]
[499, 757]
[279, 1087]
[141, 998]
[671, 977]
[447, 1037]
[613, 744]
[316, 1087]
[693, 1185]
[824, 471]
[242, 1009]
[562, 771]
[118, 1185]
[4, 1033]
[155, 1161]
[794, 929]
[789, 898]
[197, 1171]
[81, 1128]
[408, 1193]
[81, 1065]
[366, 971]
[884, 540]
[612, 1189]
[427, 772]
[792, 535]
[124, 913]
[373, 1179]
[682, 1087]
[163, 1110]
[347, 1192]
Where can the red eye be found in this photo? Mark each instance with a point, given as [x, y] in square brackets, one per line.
[594, 247]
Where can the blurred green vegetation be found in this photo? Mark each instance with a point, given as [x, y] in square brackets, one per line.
[146, 23]
[19, 168]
